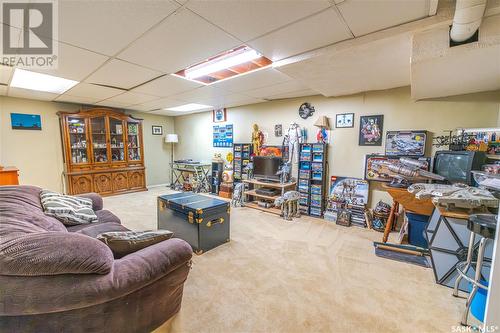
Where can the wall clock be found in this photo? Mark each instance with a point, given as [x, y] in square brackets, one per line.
[306, 110]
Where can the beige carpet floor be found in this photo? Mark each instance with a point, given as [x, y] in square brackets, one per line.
[308, 275]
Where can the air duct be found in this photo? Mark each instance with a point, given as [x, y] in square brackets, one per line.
[467, 19]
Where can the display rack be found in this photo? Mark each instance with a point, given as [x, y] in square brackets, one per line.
[241, 157]
[312, 178]
[217, 168]
[253, 198]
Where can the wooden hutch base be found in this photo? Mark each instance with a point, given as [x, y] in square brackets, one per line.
[103, 152]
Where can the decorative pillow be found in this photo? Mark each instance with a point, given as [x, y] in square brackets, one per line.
[68, 209]
[122, 243]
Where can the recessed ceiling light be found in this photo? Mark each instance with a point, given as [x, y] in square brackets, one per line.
[229, 64]
[189, 107]
[40, 82]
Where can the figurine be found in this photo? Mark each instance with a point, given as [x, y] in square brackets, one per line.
[284, 173]
[293, 137]
[425, 191]
[249, 170]
[289, 204]
[407, 170]
[257, 139]
[238, 195]
[469, 198]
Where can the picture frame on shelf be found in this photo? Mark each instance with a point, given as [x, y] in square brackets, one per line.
[371, 130]
[344, 120]
[157, 130]
[219, 115]
[23, 121]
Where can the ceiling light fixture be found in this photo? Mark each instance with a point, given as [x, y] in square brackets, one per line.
[229, 64]
[40, 82]
[189, 107]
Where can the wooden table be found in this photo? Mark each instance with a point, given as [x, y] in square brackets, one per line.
[9, 175]
[402, 197]
[252, 193]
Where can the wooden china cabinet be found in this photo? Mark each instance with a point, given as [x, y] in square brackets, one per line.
[103, 152]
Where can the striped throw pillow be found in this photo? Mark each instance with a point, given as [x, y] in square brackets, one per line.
[70, 210]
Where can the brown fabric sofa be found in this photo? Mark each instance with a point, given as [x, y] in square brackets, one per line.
[58, 279]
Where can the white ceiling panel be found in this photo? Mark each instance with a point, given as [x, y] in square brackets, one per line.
[180, 41]
[382, 64]
[258, 79]
[249, 19]
[158, 104]
[3, 90]
[92, 91]
[5, 74]
[281, 88]
[76, 99]
[112, 104]
[364, 17]
[109, 26]
[31, 94]
[130, 98]
[311, 33]
[121, 74]
[166, 86]
[75, 63]
[293, 94]
[202, 95]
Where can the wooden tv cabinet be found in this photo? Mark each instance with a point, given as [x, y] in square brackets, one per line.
[252, 196]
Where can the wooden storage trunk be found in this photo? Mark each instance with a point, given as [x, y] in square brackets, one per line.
[200, 220]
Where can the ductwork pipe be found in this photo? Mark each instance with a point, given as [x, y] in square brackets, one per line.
[467, 19]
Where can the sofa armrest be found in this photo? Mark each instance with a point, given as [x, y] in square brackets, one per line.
[44, 294]
[96, 200]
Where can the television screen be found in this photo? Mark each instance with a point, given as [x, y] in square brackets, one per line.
[265, 167]
[454, 167]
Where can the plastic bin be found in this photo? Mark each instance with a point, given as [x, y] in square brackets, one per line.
[416, 229]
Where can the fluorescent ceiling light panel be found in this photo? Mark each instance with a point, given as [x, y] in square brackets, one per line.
[227, 61]
[40, 82]
[189, 107]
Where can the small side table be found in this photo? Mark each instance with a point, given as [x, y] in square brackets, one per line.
[9, 175]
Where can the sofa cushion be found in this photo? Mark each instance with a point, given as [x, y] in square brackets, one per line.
[103, 216]
[70, 210]
[53, 253]
[126, 242]
[95, 229]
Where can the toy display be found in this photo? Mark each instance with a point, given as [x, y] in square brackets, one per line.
[347, 200]
[257, 139]
[408, 170]
[380, 216]
[238, 195]
[293, 138]
[371, 129]
[223, 136]
[377, 167]
[425, 191]
[344, 120]
[288, 203]
[405, 143]
[271, 151]
[240, 158]
[312, 178]
[284, 173]
[469, 198]
[248, 170]
[306, 110]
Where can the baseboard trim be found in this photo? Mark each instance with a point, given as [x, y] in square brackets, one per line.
[158, 185]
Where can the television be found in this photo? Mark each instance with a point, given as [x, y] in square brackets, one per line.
[265, 167]
[456, 166]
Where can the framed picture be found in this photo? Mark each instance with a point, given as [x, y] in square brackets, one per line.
[371, 129]
[377, 167]
[157, 130]
[219, 115]
[405, 143]
[23, 121]
[278, 130]
[223, 136]
[344, 120]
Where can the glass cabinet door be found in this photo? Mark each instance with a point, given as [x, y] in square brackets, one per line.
[77, 140]
[99, 139]
[134, 151]
[117, 140]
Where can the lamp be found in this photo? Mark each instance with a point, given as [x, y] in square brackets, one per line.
[171, 138]
[322, 122]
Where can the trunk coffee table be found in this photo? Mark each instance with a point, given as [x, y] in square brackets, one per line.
[200, 220]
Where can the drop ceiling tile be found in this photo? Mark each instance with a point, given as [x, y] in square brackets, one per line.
[130, 98]
[293, 94]
[75, 63]
[159, 104]
[249, 19]
[322, 29]
[202, 95]
[93, 91]
[108, 26]
[253, 80]
[281, 88]
[234, 103]
[121, 74]
[31, 94]
[3, 90]
[5, 74]
[166, 86]
[183, 39]
[112, 104]
[77, 100]
[364, 17]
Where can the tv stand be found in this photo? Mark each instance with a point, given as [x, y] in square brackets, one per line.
[252, 197]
